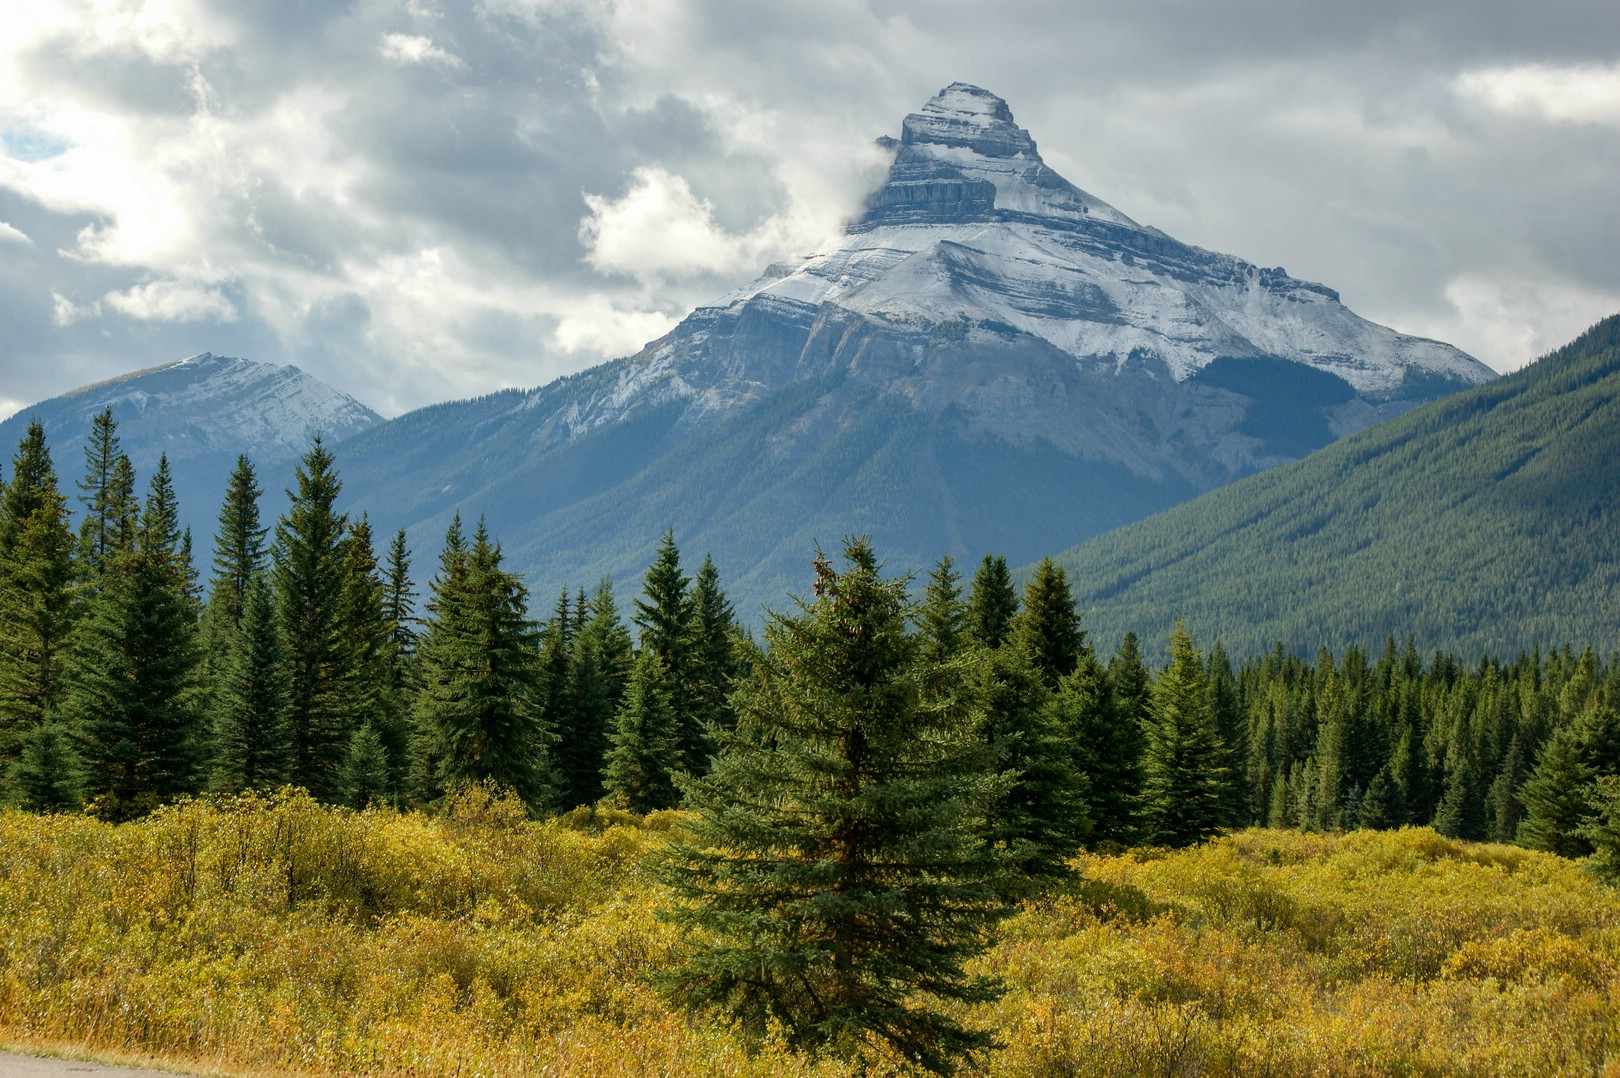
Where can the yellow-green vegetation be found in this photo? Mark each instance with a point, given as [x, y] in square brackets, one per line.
[276, 934]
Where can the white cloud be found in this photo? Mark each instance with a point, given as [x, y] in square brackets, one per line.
[1510, 321]
[10, 233]
[599, 326]
[657, 231]
[1587, 94]
[172, 301]
[64, 312]
[416, 49]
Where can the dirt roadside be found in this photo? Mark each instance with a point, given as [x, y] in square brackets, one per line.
[13, 1065]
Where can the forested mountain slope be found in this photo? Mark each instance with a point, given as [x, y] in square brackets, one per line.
[1484, 522]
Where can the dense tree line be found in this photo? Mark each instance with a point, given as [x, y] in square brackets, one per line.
[875, 785]
[306, 659]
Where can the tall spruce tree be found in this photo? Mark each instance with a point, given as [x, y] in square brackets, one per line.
[642, 745]
[252, 745]
[665, 614]
[477, 706]
[714, 649]
[1183, 775]
[993, 602]
[1049, 625]
[942, 619]
[107, 493]
[1042, 817]
[1107, 750]
[599, 671]
[837, 874]
[36, 601]
[307, 580]
[133, 692]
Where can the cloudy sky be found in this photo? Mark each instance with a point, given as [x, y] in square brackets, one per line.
[419, 200]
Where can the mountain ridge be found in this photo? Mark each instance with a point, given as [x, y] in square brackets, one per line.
[1485, 521]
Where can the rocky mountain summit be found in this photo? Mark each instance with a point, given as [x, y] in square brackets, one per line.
[988, 358]
[202, 412]
[979, 280]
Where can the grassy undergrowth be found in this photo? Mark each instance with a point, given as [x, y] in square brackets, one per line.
[273, 935]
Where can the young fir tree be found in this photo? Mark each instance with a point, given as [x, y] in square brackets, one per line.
[1232, 726]
[308, 583]
[837, 877]
[1557, 797]
[132, 694]
[643, 741]
[993, 602]
[1049, 624]
[36, 599]
[600, 671]
[239, 558]
[1042, 818]
[477, 707]
[252, 746]
[1183, 776]
[366, 778]
[665, 615]
[107, 493]
[1462, 806]
[714, 649]
[556, 695]
[942, 619]
[47, 776]
[367, 689]
[1107, 752]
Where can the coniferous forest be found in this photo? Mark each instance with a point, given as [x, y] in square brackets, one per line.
[867, 800]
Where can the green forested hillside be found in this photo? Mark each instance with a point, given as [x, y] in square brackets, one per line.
[1484, 522]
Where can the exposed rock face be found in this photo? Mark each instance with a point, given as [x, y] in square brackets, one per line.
[202, 412]
[988, 358]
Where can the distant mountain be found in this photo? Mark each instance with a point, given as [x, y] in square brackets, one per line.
[988, 359]
[1483, 523]
[203, 412]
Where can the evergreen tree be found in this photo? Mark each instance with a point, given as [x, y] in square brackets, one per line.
[252, 741]
[993, 602]
[1556, 797]
[1232, 727]
[107, 492]
[837, 875]
[399, 611]
[599, 671]
[480, 677]
[1462, 809]
[714, 651]
[641, 759]
[1502, 809]
[367, 776]
[1184, 778]
[238, 548]
[1107, 750]
[36, 610]
[133, 680]
[368, 697]
[1380, 809]
[942, 620]
[46, 776]
[1042, 817]
[558, 706]
[308, 580]
[665, 615]
[1049, 625]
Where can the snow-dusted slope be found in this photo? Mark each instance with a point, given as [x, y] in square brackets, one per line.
[201, 412]
[208, 404]
[972, 229]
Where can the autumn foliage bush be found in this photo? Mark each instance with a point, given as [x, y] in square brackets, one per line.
[274, 934]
